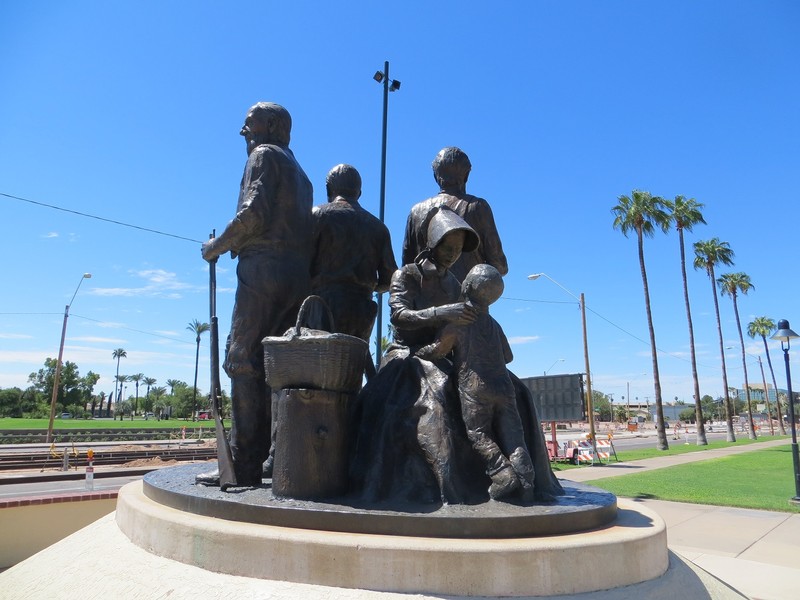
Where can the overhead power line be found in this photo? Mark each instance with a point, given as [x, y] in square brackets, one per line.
[83, 214]
[106, 323]
[150, 333]
[622, 329]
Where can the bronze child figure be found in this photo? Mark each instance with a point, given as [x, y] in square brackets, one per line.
[480, 352]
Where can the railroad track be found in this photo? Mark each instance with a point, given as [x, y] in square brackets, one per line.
[44, 459]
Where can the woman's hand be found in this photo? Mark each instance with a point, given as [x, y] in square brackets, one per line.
[459, 313]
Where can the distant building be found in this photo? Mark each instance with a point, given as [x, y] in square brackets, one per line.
[671, 412]
[635, 409]
[757, 393]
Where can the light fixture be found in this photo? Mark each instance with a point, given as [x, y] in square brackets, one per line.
[785, 335]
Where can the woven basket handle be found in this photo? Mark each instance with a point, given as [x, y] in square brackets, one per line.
[301, 315]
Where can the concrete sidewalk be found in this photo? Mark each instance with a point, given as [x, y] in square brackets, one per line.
[753, 551]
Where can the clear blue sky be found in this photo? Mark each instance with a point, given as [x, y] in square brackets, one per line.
[131, 111]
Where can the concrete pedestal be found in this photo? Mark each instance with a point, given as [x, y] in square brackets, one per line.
[631, 550]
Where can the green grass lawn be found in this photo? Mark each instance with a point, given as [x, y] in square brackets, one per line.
[762, 479]
[674, 448]
[137, 423]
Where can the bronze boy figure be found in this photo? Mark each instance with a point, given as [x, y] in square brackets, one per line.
[480, 352]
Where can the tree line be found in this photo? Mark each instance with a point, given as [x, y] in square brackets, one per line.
[643, 214]
[76, 394]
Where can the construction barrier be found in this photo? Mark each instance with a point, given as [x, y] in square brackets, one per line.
[605, 448]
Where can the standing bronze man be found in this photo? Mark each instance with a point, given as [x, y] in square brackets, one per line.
[271, 236]
[352, 255]
[451, 169]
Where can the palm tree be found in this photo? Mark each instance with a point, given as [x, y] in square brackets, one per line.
[642, 213]
[158, 405]
[121, 379]
[172, 383]
[119, 353]
[730, 284]
[149, 382]
[764, 326]
[708, 254]
[198, 329]
[136, 379]
[686, 214]
[102, 398]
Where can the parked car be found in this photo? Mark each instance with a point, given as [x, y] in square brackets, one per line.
[147, 415]
[65, 415]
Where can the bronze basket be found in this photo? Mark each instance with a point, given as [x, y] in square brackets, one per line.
[313, 359]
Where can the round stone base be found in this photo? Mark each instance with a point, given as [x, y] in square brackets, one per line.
[631, 550]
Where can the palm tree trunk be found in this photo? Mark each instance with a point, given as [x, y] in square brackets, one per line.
[698, 407]
[660, 429]
[196, 365]
[119, 392]
[775, 386]
[751, 430]
[728, 407]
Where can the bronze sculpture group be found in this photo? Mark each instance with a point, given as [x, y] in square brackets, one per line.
[442, 420]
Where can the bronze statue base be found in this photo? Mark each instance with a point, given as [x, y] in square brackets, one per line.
[582, 508]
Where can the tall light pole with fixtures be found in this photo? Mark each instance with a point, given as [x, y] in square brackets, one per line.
[57, 375]
[389, 85]
[784, 335]
[589, 400]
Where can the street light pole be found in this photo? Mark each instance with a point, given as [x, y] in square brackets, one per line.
[389, 85]
[785, 334]
[57, 376]
[628, 411]
[553, 365]
[589, 399]
[766, 396]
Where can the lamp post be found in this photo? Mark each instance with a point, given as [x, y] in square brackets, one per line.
[628, 408]
[766, 391]
[589, 401]
[389, 85]
[766, 396]
[785, 334]
[57, 375]
[553, 365]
